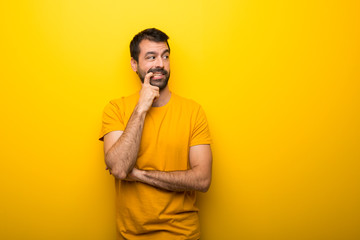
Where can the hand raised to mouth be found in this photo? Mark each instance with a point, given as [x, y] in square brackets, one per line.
[148, 93]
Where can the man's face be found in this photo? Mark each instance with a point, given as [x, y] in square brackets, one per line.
[153, 57]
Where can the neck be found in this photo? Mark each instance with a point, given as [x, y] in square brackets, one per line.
[164, 97]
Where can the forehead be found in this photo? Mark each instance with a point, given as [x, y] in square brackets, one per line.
[150, 46]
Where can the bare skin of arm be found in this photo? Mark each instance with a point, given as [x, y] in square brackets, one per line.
[198, 177]
[121, 147]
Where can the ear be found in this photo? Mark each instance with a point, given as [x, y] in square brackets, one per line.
[133, 64]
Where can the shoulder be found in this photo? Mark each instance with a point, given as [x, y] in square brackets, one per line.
[122, 102]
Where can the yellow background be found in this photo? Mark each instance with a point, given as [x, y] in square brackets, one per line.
[279, 81]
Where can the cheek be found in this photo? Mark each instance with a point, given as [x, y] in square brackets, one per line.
[146, 68]
[143, 69]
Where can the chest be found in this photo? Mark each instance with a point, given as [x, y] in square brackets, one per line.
[165, 141]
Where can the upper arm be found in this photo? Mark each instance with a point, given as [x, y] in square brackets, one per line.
[200, 157]
[110, 139]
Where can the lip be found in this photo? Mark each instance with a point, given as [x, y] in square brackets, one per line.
[157, 75]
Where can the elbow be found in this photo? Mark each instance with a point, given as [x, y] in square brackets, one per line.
[118, 174]
[205, 186]
[116, 171]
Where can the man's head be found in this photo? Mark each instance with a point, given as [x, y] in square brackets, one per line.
[150, 52]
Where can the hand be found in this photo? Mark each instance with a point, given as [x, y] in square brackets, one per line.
[132, 176]
[148, 94]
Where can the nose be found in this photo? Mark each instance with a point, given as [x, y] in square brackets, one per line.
[159, 62]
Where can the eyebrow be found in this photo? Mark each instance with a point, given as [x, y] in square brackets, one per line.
[148, 53]
[166, 51]
[151, 52]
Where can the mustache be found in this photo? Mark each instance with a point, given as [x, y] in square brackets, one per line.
[160, 70]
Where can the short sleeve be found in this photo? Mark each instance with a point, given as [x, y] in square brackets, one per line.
[200, 132]
[112, 119]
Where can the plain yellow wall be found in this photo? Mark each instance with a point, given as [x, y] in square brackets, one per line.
[279, 81]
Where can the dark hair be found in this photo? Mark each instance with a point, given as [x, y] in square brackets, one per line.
[151, 34]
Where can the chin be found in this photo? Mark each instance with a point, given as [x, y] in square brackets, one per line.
[161, 85]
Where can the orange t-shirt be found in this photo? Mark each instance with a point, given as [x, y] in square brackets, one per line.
[143, 211]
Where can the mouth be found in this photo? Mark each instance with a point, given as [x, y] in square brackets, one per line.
[157, 75]
[157, 71]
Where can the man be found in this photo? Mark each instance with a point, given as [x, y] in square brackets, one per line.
[157, 146]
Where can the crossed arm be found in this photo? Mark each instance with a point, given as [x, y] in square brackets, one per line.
[198, 177]
[121, 147]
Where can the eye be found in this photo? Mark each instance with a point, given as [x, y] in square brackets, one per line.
[166, 57]
[150, 57]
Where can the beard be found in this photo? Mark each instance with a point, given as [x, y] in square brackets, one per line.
[160, 83]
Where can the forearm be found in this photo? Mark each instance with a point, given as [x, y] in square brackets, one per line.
[122, 156]
[187, 180]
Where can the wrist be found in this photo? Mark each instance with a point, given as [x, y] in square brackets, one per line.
[139, 110]
[136, 174]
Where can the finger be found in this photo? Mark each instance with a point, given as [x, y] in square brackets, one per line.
[156, 88]
[157, 94]
[147, 77]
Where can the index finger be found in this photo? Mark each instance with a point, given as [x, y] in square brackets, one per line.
[147, 77]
